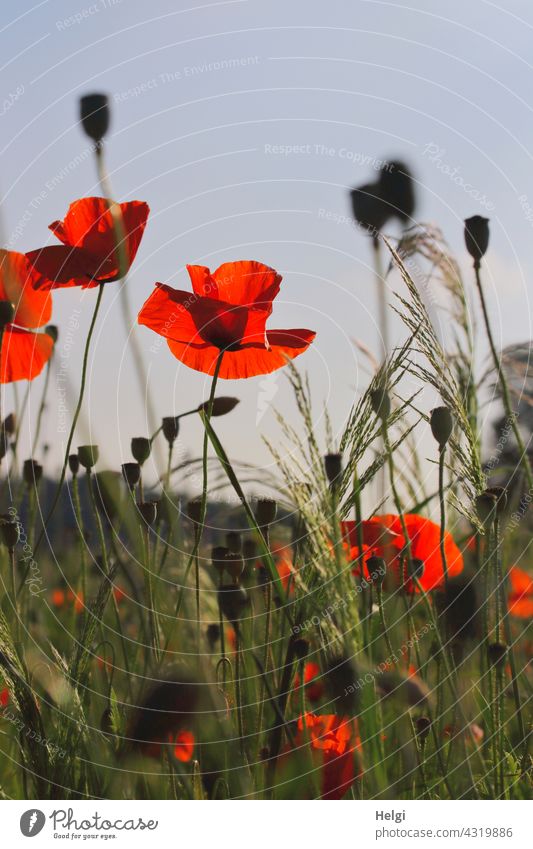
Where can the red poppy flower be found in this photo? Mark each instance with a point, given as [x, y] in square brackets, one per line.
[520, 599]
[89, 254]
[58, 598]
[383, 535]
[227, 311]
[334, 742]
[4, 697]
[24, 353]
[314, 686]
[184, 746]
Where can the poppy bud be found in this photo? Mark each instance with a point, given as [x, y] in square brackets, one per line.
[171, 427]
[300, 648]
[441, 421]
[423, 726]
[368, 207]
[74, 464]
[52, 331]
[218, 558]
[477, 237]
[486, 507]
[234, 541]
[10, 424]
[131, 473]
[7, 313]
[333, 466]
[249, 550]
[88, 455]
[141, 448]
[377, 569]
[32, 472]
[213, 635]
[397, 190]
[500, 494]
[95, 115]
[380, 401]
[265, 511]
[221, 406]
[458, 604]
[10, 532]
[233, 600]
[148, 510]
[194, 510]
[234, 565]
[497, 653]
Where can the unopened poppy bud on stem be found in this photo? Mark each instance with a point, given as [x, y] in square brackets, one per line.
[333, 467]
[171, 427]
[477, 237]
[423, 727]
[131, 473]
[441, 421]
[7, 313]
[218, 558]
[233, 600]
[141, 448]
[377, 569]
[265, 511]
[10, 424]
[300, 648]
[234, 565]
[148, 510]
[52, 331]
[221, 406]
[10, 533]
[380, 401]
[74, 464]
[88, 455]
[95, 115]
[194, 510]
[497, 653]
[32, 472]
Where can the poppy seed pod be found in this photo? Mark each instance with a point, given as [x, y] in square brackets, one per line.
[221, 406]
[218, 558]
[95, 115]
[10, 532]
[88, 455]
[10, 424]
[148, 510]
[234, 542]
[213, 635]
[441, 421]
[380, 401]
[477, 237]
[131, 473]
[300, 648]
[368, 207]
[7, 313]
[423, 727]
[265, 511]
[377, 569]
[141, 448]
[500, 494]
[194, 510]
[458, 605]
[171, 427]
[74, 464]
[397, 190]
[233, 600]
[52, 331]
[333, 466]
[486, 507]
[497, 653]
[32, 472]
[249, 550]
[234, 565]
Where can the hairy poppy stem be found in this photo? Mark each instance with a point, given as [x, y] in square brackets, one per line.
[42, 405]
[75, 419]
[442, 504]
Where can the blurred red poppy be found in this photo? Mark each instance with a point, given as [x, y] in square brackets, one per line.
[227, 311]
[520, 599]
[24, 353]
[4, 697]
[335, 746]
[314, 686]
[383, 536]
[89, 254]
[184, 746]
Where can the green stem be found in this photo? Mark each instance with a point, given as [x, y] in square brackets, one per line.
[442, 503]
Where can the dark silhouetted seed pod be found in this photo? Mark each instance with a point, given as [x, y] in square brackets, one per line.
[477, 237]
[194, 510]
[486, 504]
[221, 406]
[342, 682]
[88, 455]
[10, 532]
[106, 722]
[497, 654]
[380, 401]
[10, 424]
[265, 511]
[458, 605]
[300, 648]
[32, 472]
[377, 569]
[52, 331]
[441, 421]
[74, 464]
[397, 190]
[218, 558]
[148, 510]
[95, 115]
[423, 727]
[333, 467]
[233, 600]
[368, 208]
[213, 635]
[415, 568]
[171, 428]
[234, 542]
[500, 494]
[141, 448]
[7, 313]
[234, 565]
[131, 473]
[249, 551]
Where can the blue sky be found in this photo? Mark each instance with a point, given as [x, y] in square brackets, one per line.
[243, 124]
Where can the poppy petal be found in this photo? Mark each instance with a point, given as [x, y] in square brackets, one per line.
[17, 282]
[59, 265]
[184, 746]
[24, 354]
[247, 282]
